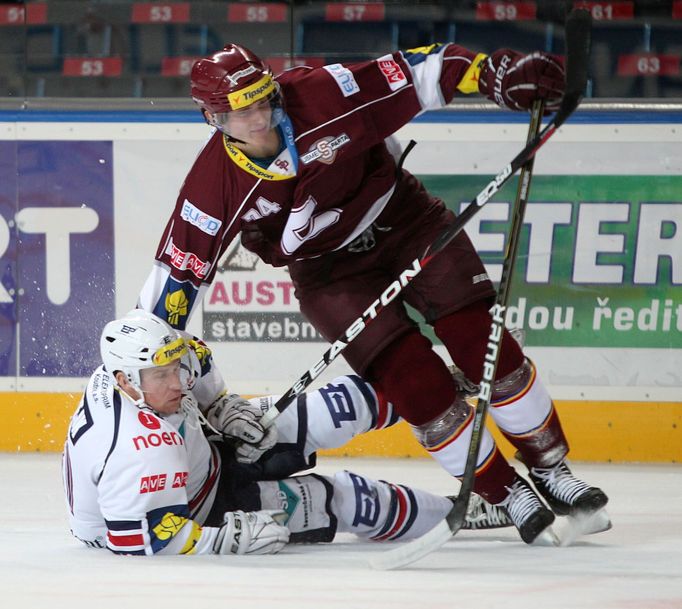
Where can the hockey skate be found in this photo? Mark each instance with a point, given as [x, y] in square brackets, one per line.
[528, 514]
[570, 496]
[483, 515]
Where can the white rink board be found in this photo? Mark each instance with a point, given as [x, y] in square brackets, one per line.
[150, 162]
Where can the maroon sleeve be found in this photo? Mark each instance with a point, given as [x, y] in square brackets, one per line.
[389, 91]
[199, 230]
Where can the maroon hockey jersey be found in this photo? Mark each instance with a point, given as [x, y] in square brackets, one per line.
[341, 181]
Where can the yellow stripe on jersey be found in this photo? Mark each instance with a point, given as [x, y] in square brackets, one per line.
[193, 539]
[425, 50]
[469, 82]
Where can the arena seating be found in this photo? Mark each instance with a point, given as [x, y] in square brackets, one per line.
[123, 48]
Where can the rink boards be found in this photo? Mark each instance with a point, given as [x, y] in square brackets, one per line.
[84, 198]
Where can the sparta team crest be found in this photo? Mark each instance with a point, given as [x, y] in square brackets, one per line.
[324, 150]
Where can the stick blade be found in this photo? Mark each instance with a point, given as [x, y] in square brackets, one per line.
[412, 551]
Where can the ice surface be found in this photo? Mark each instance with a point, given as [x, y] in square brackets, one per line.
[635, 565]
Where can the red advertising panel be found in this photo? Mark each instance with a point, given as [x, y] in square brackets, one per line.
[608, 11]
[89, 66]
[677, 9]
[279, 64]
[256, 12]
[177, 66]
[648, 64]
[160, 12]
[505, 11]
[346, 11]
[23, 14]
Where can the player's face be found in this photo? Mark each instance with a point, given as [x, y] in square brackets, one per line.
[162, 387]
[250, 124]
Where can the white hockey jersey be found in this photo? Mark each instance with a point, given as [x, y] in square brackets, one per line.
[137, 482]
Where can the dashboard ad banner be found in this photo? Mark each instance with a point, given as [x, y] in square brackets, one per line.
[57, 255]
[599, 265]
[599, 262]
[597, 286]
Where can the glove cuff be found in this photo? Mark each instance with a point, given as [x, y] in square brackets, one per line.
[493, 72]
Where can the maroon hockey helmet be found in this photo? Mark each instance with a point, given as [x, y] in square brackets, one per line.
[231, 79]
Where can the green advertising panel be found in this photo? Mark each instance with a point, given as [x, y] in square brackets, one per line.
[600, 257]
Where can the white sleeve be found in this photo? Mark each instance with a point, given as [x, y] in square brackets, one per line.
[425, 76]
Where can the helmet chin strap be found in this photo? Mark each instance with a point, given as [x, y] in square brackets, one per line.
[138, 402]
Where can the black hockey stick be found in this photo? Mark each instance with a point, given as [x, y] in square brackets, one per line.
[455, 519]
[577, 42]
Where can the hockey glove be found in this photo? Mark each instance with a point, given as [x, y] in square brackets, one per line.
[236, 418]
[254, 240]
[252, 533]
[515, 81]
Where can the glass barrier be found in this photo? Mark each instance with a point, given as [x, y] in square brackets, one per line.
[128, 49]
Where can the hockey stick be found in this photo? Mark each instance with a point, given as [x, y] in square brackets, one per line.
[453, 522]
[577, 40]
[577, 30]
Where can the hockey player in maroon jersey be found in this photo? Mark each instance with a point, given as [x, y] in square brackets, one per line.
[299, 165]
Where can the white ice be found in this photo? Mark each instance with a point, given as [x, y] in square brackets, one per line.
[635, 565]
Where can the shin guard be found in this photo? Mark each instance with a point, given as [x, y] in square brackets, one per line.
[525, 413]
[447, 439]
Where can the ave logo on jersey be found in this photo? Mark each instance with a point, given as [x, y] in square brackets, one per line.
[153, 483]
[148, 420]
[192, 214]
[182, 261]
[392, 72]
[324, 150]
[180, 479]
[344, 78]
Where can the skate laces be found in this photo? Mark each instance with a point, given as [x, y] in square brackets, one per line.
[521, 502]
[482, 513]
[560, 482]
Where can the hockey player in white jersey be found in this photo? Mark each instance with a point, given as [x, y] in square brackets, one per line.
[141, 476]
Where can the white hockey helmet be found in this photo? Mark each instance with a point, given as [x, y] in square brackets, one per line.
[137, 341]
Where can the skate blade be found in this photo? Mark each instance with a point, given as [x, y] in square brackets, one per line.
[547, 538]
[583, 524]
[596, 522]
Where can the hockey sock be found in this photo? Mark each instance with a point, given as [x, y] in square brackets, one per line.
[414, 379]
[465, 335]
